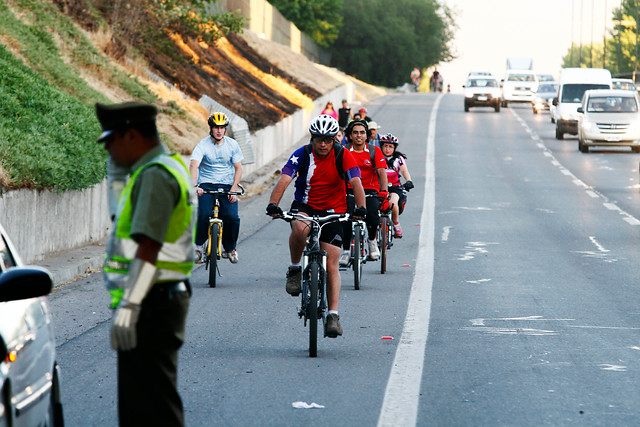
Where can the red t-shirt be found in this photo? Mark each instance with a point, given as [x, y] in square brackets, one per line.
[369, 172]
[320, 185]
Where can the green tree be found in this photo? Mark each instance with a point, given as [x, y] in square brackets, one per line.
[381, 41]
[620, 54]
[319, 19]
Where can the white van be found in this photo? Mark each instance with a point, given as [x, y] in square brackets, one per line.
[519, 86]
[573, 84]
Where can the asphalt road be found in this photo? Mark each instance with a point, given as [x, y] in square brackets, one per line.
[517, 269]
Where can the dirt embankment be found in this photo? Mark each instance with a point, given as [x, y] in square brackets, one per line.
[259, 80]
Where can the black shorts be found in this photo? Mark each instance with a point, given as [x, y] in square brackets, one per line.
[402, 193]
[331, 233]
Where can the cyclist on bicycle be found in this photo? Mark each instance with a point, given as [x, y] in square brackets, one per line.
[373, 169]
[321, 168]
[415, 78]
[396, 166]
[215, 164]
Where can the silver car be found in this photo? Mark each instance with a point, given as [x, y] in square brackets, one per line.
[609, 117]
[29, 374]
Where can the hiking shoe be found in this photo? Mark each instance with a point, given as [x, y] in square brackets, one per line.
[374, 252]
[345, 257]
[233, 256]
[333, 326]
[397, 231]
[294, 278]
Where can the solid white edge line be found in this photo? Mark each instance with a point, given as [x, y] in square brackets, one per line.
[400, 405]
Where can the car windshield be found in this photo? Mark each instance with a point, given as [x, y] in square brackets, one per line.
[623, 85]
[548, 88]
[612, 104]
[521, 77]
[572, 93]
[483, 83]
[545, 78]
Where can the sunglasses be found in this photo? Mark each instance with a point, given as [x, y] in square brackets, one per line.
[325, 139]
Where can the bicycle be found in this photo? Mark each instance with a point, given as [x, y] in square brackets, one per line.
[215, 233]
[314, 305]
[359, 251]
[385, 236]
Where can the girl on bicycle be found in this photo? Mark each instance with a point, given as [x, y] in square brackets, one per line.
[396, 166]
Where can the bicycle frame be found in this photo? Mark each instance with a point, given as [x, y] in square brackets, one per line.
[385, 236]
[359, 250]
[214, 233]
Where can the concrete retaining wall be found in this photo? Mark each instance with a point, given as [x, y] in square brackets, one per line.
[43, 223]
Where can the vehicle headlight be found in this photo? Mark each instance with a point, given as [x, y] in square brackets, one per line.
[587, 125]
[568, 116]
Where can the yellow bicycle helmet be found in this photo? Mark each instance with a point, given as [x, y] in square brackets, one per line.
[218, 119]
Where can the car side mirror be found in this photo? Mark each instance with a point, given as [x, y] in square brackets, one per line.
[580, 110]
[25, 282]
[463, 86]
[555, 101]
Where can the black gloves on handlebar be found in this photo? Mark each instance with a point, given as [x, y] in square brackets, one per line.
[408, 185]
[360, 212]
[273, 210]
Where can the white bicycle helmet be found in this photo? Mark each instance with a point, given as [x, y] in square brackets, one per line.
[324, 125]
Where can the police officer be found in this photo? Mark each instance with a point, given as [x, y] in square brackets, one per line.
[149, 259]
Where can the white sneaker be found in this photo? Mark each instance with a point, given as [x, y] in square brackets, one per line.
[233, 256]
[374, 252]
[345, 256]
[199, 253]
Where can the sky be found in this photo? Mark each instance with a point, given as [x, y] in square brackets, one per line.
[490, 31]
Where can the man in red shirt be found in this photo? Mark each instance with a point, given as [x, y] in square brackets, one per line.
[373, 171]
[320, 190]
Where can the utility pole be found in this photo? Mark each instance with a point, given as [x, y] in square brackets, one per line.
[572, 43]
[635, 59]
[591, 47]
[604, 37]
[580, 54]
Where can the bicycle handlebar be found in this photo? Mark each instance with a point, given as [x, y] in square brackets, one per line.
[225, 192]
[320, 220]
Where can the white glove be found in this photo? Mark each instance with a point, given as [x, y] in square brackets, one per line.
[123, 331]
[142, 275]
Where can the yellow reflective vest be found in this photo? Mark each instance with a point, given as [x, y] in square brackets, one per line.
[176, 257]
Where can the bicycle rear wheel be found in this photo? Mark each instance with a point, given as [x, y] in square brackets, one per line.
[356, 263]
[383, 242]
[213, 255]
[312, 309]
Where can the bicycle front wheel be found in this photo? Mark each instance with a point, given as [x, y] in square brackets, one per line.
[312, 308]
[383, 243]
[357, 256]
[213, 254]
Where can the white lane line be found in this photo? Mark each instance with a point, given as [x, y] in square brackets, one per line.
[627, 217]
[445, 233]
[400, 405]
[598, 245]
